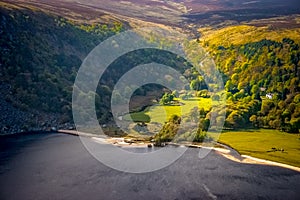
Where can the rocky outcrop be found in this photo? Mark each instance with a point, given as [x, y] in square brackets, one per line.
[15, 120]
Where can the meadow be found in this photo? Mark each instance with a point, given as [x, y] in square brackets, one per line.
[161, 113]
[266, 144]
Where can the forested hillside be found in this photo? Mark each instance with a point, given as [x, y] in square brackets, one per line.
[261, 68]
[40, 56]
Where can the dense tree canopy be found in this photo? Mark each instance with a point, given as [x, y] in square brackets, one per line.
[262, 84]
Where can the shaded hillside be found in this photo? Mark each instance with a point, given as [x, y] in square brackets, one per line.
[40, 56]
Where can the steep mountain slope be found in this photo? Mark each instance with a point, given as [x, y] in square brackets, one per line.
[40, 56]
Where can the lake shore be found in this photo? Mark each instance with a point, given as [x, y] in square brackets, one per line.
[221, 149]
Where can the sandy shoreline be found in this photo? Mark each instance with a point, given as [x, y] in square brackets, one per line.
[117, 141]
[233, 155]
[224, 150]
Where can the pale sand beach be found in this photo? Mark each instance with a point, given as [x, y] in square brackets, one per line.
[224, 150]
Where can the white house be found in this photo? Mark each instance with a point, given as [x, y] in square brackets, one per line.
[269, 95]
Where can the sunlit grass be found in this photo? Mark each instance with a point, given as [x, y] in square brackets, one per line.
[242, 34]
[259, 143]
[161, 113]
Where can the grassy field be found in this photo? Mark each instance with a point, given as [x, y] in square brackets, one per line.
[259, 143]
[161, 114]
[242, 34]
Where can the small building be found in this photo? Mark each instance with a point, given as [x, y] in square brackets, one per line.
[269, 96]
